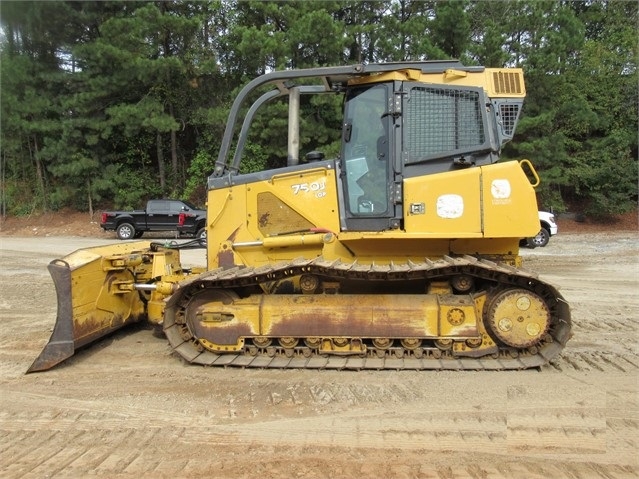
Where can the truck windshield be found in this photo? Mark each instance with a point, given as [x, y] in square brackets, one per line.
[365, 150]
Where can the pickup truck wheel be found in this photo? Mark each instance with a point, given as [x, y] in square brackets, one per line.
[125, 231]
[201, 234]
[541, 239]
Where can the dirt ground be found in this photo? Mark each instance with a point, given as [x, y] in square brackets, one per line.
[126, 407]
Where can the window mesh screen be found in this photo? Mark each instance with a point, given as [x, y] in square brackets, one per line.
[439, 121]
[509, 114]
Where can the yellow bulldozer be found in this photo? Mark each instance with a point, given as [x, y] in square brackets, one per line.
[401, 253]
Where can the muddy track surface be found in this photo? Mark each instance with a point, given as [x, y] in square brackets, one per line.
[127, 407]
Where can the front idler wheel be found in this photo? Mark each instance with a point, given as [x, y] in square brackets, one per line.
[518, 318]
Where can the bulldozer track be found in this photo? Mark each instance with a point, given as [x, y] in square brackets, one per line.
[427, 358]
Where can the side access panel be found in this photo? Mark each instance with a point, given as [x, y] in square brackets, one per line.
[444, 205]
[494, 201]
[509, 202]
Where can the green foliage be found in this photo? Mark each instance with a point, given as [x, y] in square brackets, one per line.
[116, 102]
[131, 188]
[451, 28]
[200, 168]
[580, 117]
[254, 159]
[19, 199]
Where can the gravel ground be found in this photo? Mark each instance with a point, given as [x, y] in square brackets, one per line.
[126, 407]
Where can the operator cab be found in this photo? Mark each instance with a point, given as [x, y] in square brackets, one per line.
[402, 129]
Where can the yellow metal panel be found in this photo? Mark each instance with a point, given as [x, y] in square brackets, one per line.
[444, 205]
[497, 82]
[267, 213]
[309, 196]
[483, 246]
[348, 315]
[510, 205]
[216, 320]
[457, 316]
[226, 217]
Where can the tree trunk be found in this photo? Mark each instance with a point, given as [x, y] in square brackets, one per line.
[39, 174]
[160, 153]
[174, 156]
[3, 189]
[90, 199]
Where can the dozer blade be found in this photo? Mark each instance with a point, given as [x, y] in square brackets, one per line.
[91, 300]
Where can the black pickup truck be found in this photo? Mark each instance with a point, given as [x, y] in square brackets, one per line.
[160, 215]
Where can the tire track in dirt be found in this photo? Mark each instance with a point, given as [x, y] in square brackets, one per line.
[178, 452]
[181, 452]
[616, 325]
[595, 361]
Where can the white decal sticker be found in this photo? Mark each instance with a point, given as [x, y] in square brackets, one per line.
[316, 188]
[450, 206]
[500, 189]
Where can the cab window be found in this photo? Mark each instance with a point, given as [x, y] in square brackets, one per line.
[365, 151]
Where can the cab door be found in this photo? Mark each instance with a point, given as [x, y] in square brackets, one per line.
[367, 173]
